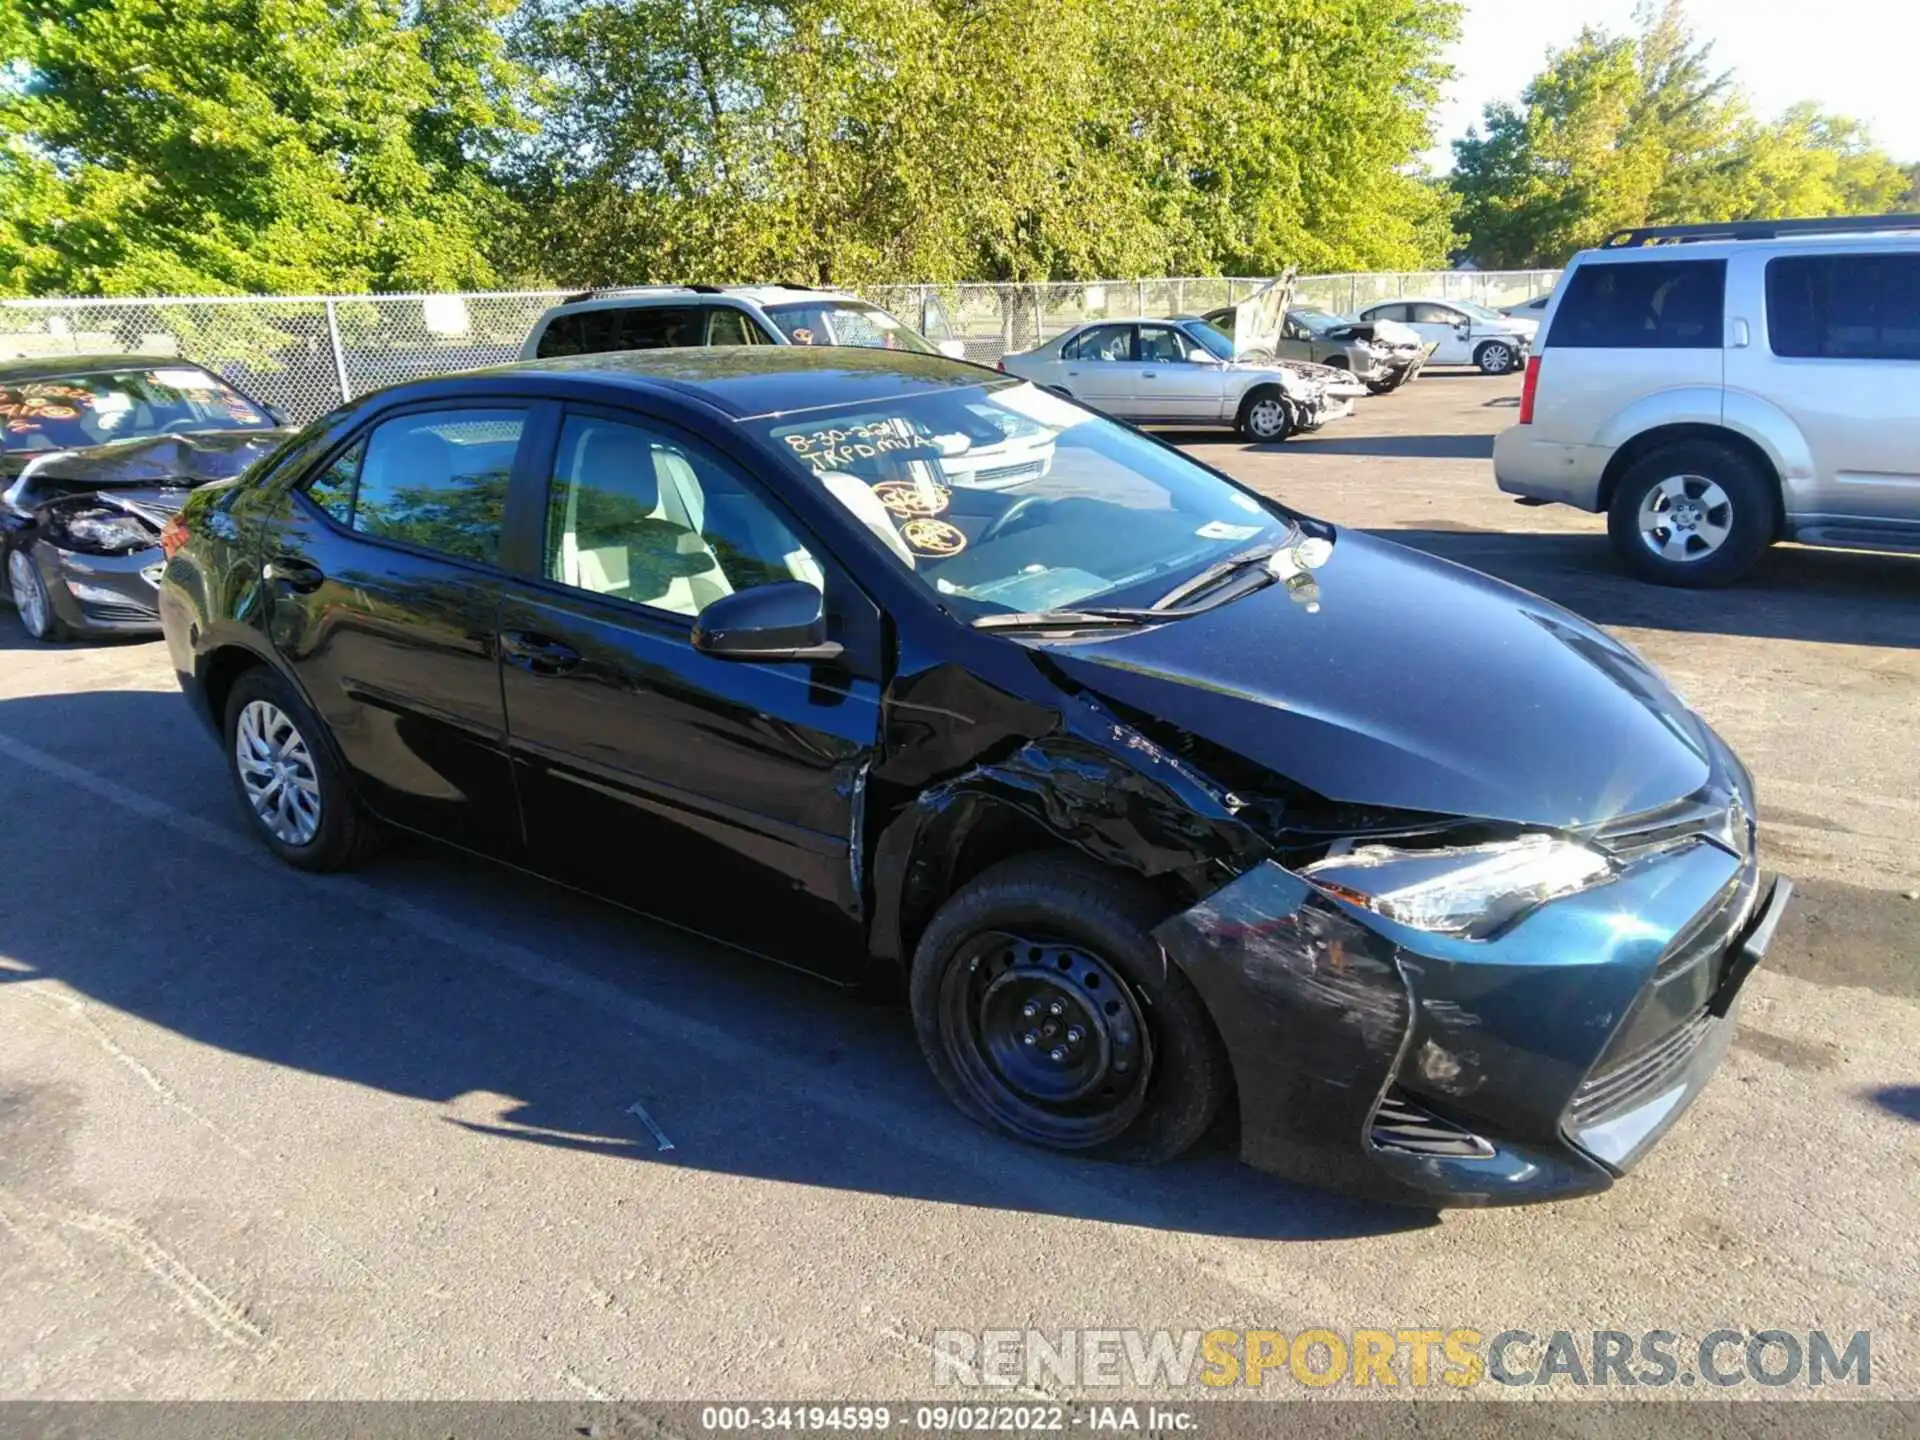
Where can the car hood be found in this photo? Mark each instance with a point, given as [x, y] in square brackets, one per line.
[1385, 677]
[153, 463]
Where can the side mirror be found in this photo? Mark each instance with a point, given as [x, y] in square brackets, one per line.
[782, 621]
[952, 349]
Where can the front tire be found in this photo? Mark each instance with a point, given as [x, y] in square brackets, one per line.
[289, 777]
[30, 598]
[1046, 1010]
[1266, 418]
[1693, 514]
[1496, 357]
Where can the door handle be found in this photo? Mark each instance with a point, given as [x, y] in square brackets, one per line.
[537, 654]
[294, 573]
[1148, 374]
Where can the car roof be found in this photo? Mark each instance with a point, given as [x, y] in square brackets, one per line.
[744, 382]
[629, 296]
[48, 367]
[1416, 300]
[1866, 242]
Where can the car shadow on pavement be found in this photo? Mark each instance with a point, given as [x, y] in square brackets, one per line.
[1837, 597]
[528, 1014]
[1901, 1100]
[1401, 447]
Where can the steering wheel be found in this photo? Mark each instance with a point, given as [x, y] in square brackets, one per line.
[1025, 505]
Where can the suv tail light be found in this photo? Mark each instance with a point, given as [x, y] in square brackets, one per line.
[173, 535]
[1531, 384]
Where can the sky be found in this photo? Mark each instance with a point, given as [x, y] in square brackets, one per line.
[1854, 57]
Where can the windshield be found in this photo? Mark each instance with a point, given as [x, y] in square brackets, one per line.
[1318, 319]
[845, 322]
[69, 412]
[1012, 500]
[1478, 312]
[1212, 338]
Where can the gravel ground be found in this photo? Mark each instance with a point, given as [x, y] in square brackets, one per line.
[267, 1136]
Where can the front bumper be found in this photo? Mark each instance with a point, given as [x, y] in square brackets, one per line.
[1427, 1070]
[102, 594]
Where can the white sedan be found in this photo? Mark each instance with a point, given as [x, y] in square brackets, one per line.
[1177, 372]
[1465, 333]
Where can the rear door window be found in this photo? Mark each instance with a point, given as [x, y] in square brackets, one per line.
[1653, 305]
[1844, 307]
[436, 479]
[1103, 342]
[622, 327]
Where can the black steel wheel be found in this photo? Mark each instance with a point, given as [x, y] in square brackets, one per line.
[1048, 1037]
[1046, 1009]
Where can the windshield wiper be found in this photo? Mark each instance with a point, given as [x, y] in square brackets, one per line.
[1070, 619]
[1259, 555]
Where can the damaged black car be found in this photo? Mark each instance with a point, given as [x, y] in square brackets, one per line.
[1168, 807]
[96, 455]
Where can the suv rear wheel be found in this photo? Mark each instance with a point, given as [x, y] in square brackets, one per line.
[1693, 514]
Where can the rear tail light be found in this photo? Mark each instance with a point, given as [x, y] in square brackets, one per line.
[1527, 389]
[173, 535]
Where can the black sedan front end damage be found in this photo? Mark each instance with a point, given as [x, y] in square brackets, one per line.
[1534, 1064]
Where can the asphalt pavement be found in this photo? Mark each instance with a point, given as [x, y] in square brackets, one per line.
[438, 1130]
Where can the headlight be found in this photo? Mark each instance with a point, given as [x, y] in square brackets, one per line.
[1472, 890]
[104, 532]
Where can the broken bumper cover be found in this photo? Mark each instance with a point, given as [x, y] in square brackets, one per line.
[102, 594]
[1422, 1069]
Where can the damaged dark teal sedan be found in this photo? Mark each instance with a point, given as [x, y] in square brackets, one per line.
[1164, 802]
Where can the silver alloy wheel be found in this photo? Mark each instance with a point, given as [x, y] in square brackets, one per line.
[29, 595]
[1496, 359]
[1685, 518]
[276, 770]
[1267, 418]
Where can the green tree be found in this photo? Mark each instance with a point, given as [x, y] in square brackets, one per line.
[873, 140]
[1620, 131]
[182, 146]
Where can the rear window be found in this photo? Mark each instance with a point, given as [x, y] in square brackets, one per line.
[626, 327]
[1844, 307]
[1654, 305]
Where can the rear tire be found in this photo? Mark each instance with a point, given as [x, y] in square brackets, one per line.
[1266, 418]
[1693, 514]
[1129, 1066]
[289, 752]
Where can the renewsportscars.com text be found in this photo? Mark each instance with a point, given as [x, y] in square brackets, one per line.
[1048, 1361]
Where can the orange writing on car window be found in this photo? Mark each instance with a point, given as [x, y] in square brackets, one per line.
[933, 537]
[906, 498]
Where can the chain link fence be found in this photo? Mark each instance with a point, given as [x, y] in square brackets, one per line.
[306, 354]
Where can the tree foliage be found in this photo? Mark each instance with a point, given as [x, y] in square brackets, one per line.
[184, 146]
[871, 140]
[181, 146]
[1637, 130]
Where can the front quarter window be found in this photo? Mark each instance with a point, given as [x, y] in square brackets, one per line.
[1010, 499]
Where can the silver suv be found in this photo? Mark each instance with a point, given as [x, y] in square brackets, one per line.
[652, 317]
[1715, 388]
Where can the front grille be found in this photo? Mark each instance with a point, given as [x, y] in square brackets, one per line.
[1400, 1124]
[1640, 1076]
[1004, 474]
[111, 613]
[1709, 933]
